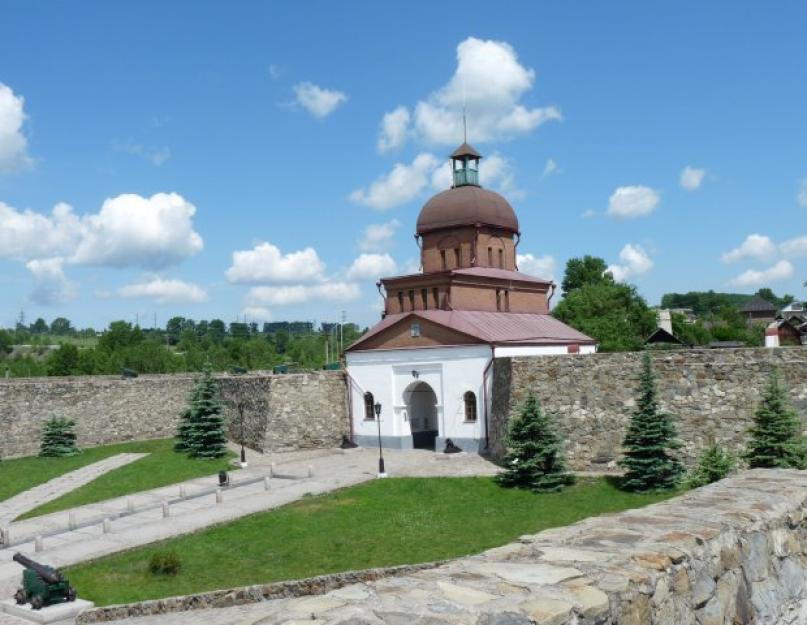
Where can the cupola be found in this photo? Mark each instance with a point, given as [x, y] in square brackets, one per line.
[465, 166]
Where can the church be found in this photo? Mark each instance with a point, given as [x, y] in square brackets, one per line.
[428, 362]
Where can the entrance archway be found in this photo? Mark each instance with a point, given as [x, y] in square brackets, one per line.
[421, 406]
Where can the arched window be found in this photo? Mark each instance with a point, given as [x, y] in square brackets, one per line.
[470, 406]
[369, 406]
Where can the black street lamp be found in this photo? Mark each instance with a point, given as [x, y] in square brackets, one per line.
[381, 471]
[240, 408]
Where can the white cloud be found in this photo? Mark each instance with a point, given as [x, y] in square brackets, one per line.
[403, 184]
[631, 202]
[550, 169]
[157, 156]
[412, 265]
[776, 273]
[634, 261]
[13, 144]
[489, 82]
[794, 247]
[165, 291]
[692, 178]
[801, 196]
[588, 213]
[25, 234]
[755, 246]
[262, 296]
[316, 100]
[274, 71]
[538, 266]
[266, 264]
[394, 129]
[378, 237]
[131, 230]
[257, 313]
[371, 267]
[51, 287]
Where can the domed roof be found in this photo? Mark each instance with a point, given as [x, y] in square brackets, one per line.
[466, 206]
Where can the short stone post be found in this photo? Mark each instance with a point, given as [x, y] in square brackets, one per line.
[71, 521]
[166, 510]
[107, 526]
[5, 536]
[219, 495]
[310, 471]
[130, 508]
[183, 492]
[39, 544]
[267, 483]
[272, 469]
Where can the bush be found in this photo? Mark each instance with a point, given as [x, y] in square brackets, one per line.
[164, 563]
[58, 439]
[715, 464]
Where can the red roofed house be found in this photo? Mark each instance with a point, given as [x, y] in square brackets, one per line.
[428, 362]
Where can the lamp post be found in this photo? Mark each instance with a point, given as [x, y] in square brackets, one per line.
[381, 471]
[240, 407]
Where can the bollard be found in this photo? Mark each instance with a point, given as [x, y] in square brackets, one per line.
[267, 483]
[272, 469]
[130, 505]
[166, 510]
[39, 544]
[71, 521]
[310, 471]
[183, 493]
[107, 526]
[5, 536]
[219, 495]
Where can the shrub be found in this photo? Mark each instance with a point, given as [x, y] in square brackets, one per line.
[58, 439]
[775, 433]
[715, 464]
[535, 457]
[164, 563]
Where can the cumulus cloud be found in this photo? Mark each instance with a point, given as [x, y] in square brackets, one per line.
[51, 287]
[394, 129]
[755, 246]
[266, 264]
[550, 169]
[165, 291]
[263, 296]
[316, 100]
[378, 237]
[692, 178]
[489, 82]
[403, 184]
[631, 202]
[634, 261]
[13, 144]
[538, 266]
[753, 277]
[131, 230]
[801, 196]
[794, 247]
[26, 234]
[371, 267]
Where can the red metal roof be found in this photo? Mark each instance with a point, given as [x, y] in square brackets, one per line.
[494, 328]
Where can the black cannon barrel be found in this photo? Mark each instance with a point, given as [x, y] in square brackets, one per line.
[48, 574]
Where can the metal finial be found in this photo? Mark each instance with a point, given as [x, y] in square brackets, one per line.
[464, 126]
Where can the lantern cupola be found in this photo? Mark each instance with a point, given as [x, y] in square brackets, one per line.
[465, 166]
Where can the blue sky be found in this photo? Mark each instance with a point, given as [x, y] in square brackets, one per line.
[142, 146]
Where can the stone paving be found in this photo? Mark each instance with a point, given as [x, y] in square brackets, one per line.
[26, 501]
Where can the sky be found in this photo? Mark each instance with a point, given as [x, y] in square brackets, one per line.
[268, 161]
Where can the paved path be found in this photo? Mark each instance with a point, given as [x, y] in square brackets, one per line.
[26, 501]
[144, 522]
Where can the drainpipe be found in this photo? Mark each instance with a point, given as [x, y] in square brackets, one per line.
[551, 293]
[485, 394]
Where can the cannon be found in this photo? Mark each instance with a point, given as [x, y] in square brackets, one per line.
[42, 585]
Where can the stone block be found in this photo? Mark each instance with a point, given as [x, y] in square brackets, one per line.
[51, 614]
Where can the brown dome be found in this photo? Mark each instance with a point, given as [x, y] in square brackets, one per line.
[466, 206]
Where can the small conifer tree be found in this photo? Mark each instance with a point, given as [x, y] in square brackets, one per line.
[651, 436]
[182, 442]
[775, 432]
[58, 439]
[535, 456]
[206, 437]
[715, 464]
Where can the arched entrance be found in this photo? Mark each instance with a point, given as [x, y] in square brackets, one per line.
[421, 406]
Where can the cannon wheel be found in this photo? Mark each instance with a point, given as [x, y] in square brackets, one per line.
[21, 597]
[36, 602]
[71, 594]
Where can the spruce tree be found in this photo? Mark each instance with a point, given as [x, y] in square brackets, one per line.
[715, 464]
[58, 439]
[775, 433]
[535, 452]
[206, 437]
[651, 436]
[182, 442]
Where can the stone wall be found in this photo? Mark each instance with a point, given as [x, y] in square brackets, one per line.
[291, 411]
[712, 393]
[730, 553]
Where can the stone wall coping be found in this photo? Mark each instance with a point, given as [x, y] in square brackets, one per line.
[182, 375]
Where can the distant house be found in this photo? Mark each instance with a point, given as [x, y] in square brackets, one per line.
[782, 332]
[663, 338]
[758, 310]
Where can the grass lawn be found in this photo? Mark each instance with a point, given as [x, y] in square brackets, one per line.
[161, 467]
[380, 523]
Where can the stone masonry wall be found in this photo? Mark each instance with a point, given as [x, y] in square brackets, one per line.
[712, 393]
[290, 411]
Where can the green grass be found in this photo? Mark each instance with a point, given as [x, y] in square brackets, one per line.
[161, 467]
[380, 523]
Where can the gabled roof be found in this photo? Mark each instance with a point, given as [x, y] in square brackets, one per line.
[660, 335]
[493, 328]
[758, 304]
